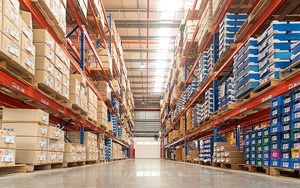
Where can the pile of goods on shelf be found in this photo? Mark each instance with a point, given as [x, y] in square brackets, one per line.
[227, 154]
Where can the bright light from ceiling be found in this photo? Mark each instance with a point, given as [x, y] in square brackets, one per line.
[168, 8]
[164, 32]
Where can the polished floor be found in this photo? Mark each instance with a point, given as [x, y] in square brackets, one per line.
[144, 173]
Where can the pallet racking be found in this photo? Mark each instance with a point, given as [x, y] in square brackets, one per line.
[253, 110]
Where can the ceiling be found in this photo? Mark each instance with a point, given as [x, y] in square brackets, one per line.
[147, 76]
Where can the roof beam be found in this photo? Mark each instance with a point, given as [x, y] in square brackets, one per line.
[139, 10]
[143, 24]
[145, 76]
[145, 50]
[145, 60]
[145, 37]
[139, 69]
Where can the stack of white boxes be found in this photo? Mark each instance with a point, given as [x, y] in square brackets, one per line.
[16, 38]
[90, 144]
[31, 128]
[56, 145]
[7, 148]
[74, 153]
[101, 113]
[78, 96]
[92, 104]
[226, 153]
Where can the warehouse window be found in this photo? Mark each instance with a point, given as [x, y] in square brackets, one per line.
[140, 143]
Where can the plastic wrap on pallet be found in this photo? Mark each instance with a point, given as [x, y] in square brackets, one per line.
[230, 24]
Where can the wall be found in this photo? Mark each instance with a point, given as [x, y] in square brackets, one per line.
[147, 123]
[145, 148]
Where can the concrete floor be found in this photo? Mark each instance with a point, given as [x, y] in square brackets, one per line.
[144, 173]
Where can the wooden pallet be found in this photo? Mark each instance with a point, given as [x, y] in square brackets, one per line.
[262, 88]
[73, 164]
[290, 71]
[98, 73]
[233, 166]
[205, 163]
[261, 169]
[214, 164]
[92, 162]
[45, 90]
[34, 167]
[17, 71]
[288, 172]
[18, 168]
[77, 109]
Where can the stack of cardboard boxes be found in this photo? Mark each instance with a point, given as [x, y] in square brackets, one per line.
[102, 114]
[78, 97]
[179, 153]
[31, 128]
[101, 147]
[104, 89]
[226, 153]
[53, 66]
[16, 38]
[92, 104]
[90, 145]
[7, 148]
[56, 145]
[117, 152]
[70, 154]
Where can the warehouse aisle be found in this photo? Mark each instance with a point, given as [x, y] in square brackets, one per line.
[143, 173]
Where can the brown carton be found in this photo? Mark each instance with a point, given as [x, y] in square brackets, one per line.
[10, 49]
[11, 10]
[26, 31]
[217, 144]
[27, 61]
[70, 157]
[45, 78]
[27, 46]
[42, 36]
[7, 157]
[31, 143]
[51, 157]
[70, 148]
[61, 146]
[7, 139]
[42, 49]
[25, 115]
[60, 157]
[31, 157]
[26, 17]
[53, 145]
[234, 160]
[234, 154]
[228, 148]
[11, 31]
[27, 129]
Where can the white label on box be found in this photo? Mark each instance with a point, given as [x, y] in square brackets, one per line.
[285, 156]
[29, 62]
[297, 135]
[50, 56]
[8, 139]
[27, 32]
[53, 145]
[274, 129]
[296, 165]
[29, 48]
[60, 157]
[13, 49]
[287, 127]
[52, 157]
[297, 95]
[14, 32]
[61, 145]
[285, 164]
[286, 136]
[7, 158]
[43, 130]
[274, 121]
[42, 157]
[296, 155]
[43, 143]
[287, 100]
[50, 42]
[287, 109]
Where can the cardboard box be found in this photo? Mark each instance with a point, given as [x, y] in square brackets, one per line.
[42, 36]
[7, 157]
[75, 99]
[66, 82]
[10, 49]
[27, 62]
[54, 133]
[10, 8]
[26, 31]
[234, 160]
[25, 115]
[26, 17]
[58, 63]
[80, 148]
[51, 157]
[234, 154]
[42, 49]
[58, 86]
[70, 157]
[31, 157]
[75, 87]
[60, 157]
[11, 31]
[44, 77]
[217, 144]
[42, 63]
[53, 145]
[228, 148]
[70, 148]
[65, 92]
[27, 45]
[27, 129]
[7, 139]
[31, 143]
[60, 146]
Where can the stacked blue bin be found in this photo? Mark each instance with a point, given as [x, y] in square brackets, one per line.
[213, 53]
[196, 115]
[266, 146]
[226, 92]
[206, 150]
[274, 47]
[120, 132]
[245, 68]
[115, 124]
[296, 53]
[295, 132]
[203, 67]
[209, 102]
[247, 154]
[230, 24]
[115, 104]
[108, 149]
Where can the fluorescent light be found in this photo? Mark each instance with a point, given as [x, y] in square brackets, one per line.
[169, 15]
[164, 32]
[169, 5]
[157, 90]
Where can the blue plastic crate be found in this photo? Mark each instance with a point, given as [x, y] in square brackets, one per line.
[296, 143]
[266, 162]
[259, 148]
[236, 16]
[287, 109]
[252, 162]
[249, 77]
[266, 147]
[253, 135]
[286, 127]
[286, 154]
[275, 45]
[276, 111]
[252, 155]
[296, 116]
[275, 145]
[287, 144]
[253, 148]
[259, 133]
[247, 155]
[296, 95]
[277, 101]
[266, 154]
[266, 131]
[247, 162]
[286, 135]
[247, 149]
[286, 163]
[276, 128]
[296, 48]
[246, 88]
[275, 162]
[259, 155]
[253, 142]
[295, 125]
[247, 142]
[295, 163]
[296, 106]
[275, 137]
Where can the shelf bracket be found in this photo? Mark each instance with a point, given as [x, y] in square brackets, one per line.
[238, 136]
[82, 49]
[73, 30]
[81, 134]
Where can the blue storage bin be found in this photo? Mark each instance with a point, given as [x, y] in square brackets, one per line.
[276, 111]
[252, 162]
[253, 148]
[295, 125]
[247, 156]
[258, 141]
[287, 99]
[275, 137]
[287, 144]
[252, 155]
[277, 101]
[296, 143]
[259, 148]
[247, 149]
[286, 163]
[296, 106]
[295, 163]
[286, 135]
[286, 127]
[276, 128]
[247, 162]
[259, 133]
[266, 154]
[275, 162]
[253, 142]
[247, 142]
[296, 116]
[275, 121]
[259, 155]
[266, 162]
[266, 131]
[286, 154]
[253, 135]
[266, 147]
[259, 162]
[275, 145]
[296, 95]
[287, 109]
